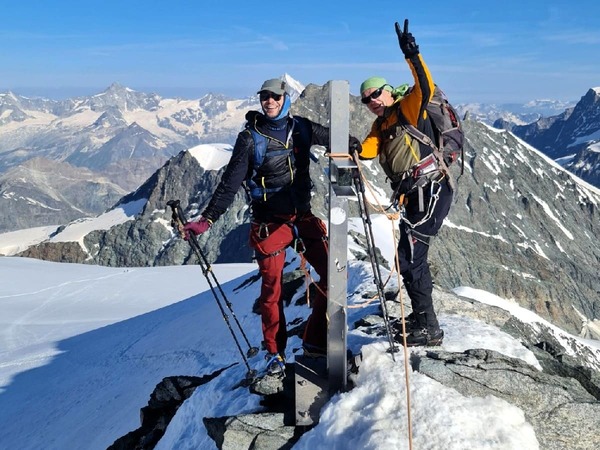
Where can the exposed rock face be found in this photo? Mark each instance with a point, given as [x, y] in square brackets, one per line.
[167, 397]
[562, 412]
[521, 229]
[571, 137]
[263, 431]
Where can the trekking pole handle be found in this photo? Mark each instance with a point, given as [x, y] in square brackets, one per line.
[178, 220]
[177, 217]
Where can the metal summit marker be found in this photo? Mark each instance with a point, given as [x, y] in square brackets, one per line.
[316, 380]
[338, 234]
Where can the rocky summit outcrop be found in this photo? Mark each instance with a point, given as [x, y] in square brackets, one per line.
[560, 398]
[561, 401]
[562, 412]
[164, 401]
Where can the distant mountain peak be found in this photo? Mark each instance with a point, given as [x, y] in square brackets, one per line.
[118, 87]
[295, 88]
[593, 94]
[9, 95]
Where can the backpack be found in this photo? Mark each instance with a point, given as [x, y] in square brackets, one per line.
[446, 125]
[449, 135]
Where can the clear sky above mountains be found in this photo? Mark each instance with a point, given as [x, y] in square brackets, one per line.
[510, 51]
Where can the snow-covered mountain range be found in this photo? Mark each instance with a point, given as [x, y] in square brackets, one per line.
[119, 137]
[571, 138]
[515, 113]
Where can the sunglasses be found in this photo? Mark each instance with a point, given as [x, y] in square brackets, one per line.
[266, 95]
[375, 94]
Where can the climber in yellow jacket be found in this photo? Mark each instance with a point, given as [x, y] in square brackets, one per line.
[425, 200]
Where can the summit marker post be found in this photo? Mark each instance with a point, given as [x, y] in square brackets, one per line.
[339, 191]
[316, 380]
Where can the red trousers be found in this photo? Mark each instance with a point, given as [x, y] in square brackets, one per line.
[269, 240]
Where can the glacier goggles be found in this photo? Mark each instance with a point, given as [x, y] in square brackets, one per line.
[266, 95]
[373, 95]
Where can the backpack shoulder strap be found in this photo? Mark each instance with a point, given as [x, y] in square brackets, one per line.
[437, 149]
[414, 131]
[260, 147]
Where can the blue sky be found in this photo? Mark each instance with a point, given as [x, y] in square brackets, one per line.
[478, 51]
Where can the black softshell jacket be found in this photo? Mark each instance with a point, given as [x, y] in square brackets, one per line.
[294, 195]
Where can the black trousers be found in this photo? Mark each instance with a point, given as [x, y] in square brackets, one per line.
[413, 248]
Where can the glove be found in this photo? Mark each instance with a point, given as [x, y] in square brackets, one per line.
[196, 228]
[354, 146]
[407, 41]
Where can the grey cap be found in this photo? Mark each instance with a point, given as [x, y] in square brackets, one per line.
[275, 85]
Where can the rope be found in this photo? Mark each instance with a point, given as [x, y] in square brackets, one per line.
[309, 279]
[393, 217]
[364, 304]
[405, 347]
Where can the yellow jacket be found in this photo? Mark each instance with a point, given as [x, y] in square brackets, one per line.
[412, 106]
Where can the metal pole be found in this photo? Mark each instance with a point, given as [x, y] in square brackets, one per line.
[315, 382]
[338, 239]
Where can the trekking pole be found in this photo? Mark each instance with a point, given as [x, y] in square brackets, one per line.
[366, 219]
[179, 220]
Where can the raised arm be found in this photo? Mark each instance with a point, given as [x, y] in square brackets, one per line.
[414, 103]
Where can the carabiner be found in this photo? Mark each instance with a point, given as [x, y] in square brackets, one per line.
[299, 246]
[263, 231]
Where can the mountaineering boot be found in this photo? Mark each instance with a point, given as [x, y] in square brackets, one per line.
[423, 337]
[275, 364]
[410, 323]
